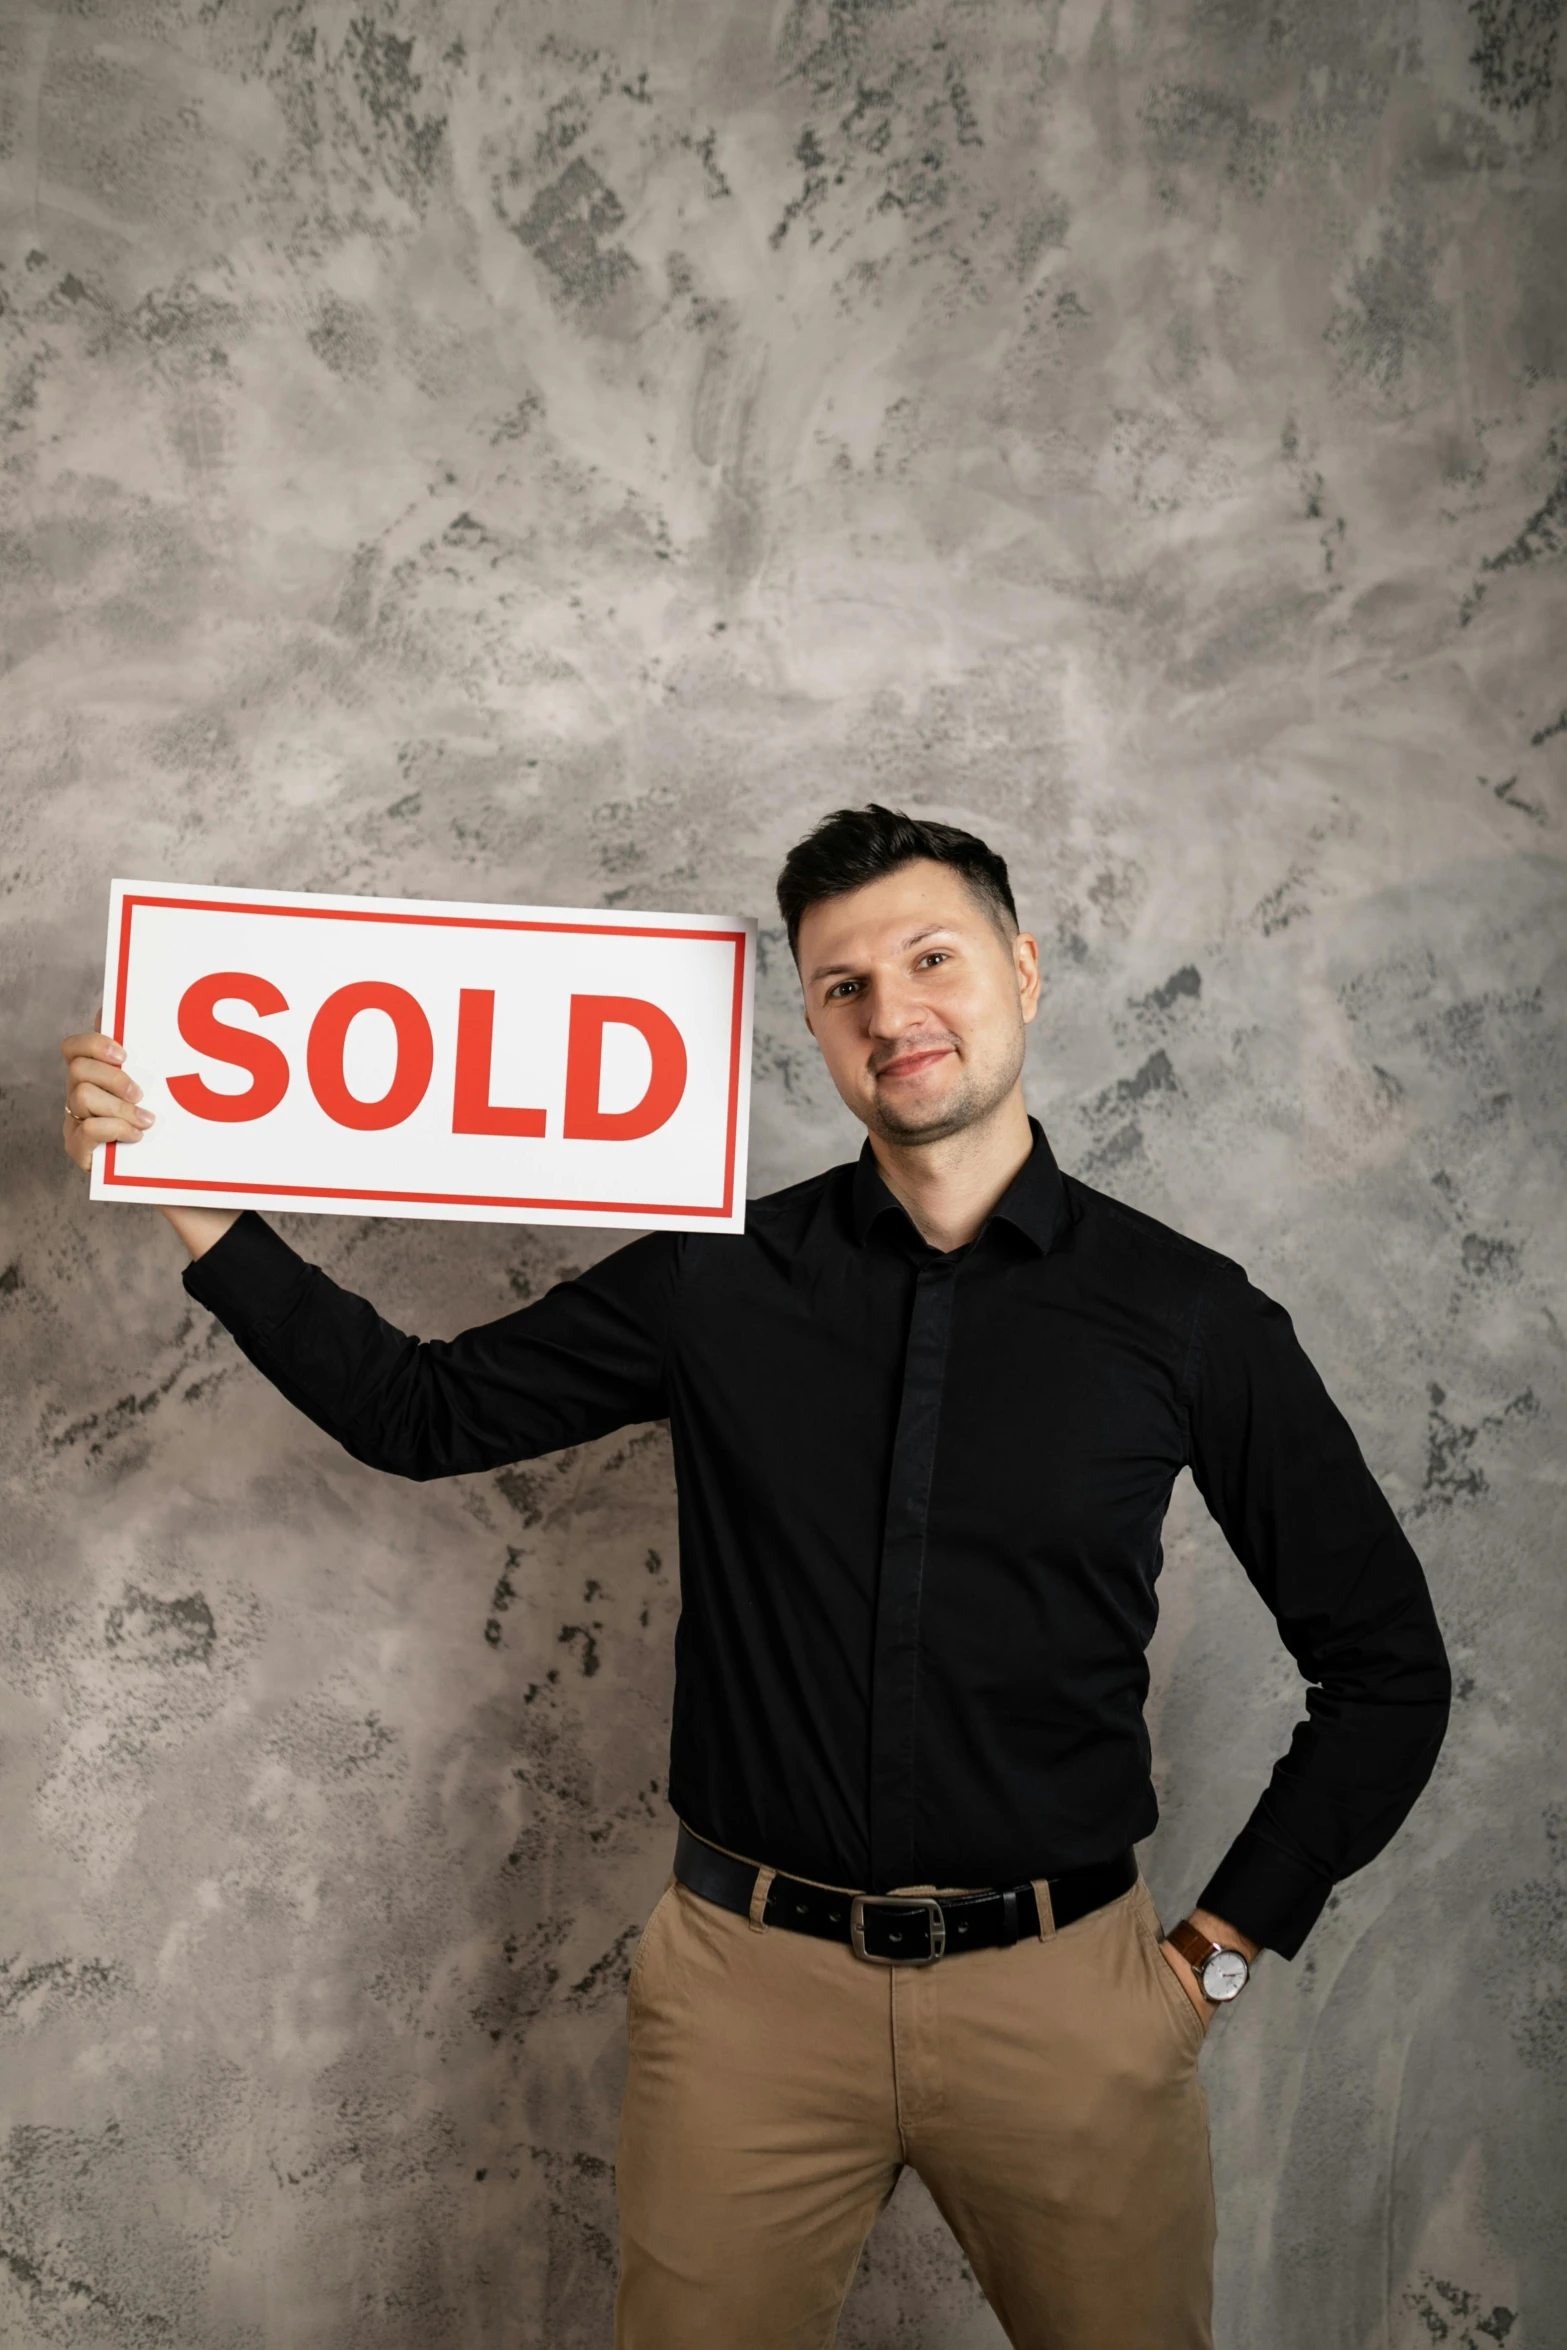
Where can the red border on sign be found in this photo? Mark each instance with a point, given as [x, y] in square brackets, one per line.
[449, 1199]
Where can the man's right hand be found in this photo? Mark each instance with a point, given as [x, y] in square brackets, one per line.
[101, 1097]
[102, 1104]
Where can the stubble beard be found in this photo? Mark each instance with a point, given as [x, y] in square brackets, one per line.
[970, 1103]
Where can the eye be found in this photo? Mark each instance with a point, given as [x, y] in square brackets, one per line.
[842, 986]
[934, 955]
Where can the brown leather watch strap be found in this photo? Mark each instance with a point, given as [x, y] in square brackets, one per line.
[1194, 1946]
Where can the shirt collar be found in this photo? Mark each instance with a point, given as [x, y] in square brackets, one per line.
[1034, 1202]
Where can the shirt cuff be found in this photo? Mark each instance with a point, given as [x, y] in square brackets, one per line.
[1267, 1893]
[250, 1279]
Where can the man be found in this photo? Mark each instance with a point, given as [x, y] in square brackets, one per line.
[926, 1415]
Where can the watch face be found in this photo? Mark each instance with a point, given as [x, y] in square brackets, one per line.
[1224, 1974]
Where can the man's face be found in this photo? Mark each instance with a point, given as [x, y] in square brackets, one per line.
[918, 1001]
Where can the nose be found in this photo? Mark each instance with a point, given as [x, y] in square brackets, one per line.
[892, 1007]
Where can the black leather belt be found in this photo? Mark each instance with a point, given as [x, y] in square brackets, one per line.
[899, 1929]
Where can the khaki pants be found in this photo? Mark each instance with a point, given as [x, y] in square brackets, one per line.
[1047, 2095]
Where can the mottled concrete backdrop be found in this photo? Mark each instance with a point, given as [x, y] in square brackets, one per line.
[518, 451]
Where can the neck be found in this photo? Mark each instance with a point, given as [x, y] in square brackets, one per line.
[949, 1187]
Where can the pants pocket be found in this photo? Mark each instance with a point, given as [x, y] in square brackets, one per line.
[643, 1939]
[1178, 2006]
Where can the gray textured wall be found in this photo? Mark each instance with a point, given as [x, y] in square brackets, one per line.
[552, 453]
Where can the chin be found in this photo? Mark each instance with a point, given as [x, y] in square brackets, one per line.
[966, 1103]
[920, 1122]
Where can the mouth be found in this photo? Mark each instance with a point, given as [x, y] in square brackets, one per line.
[913, 1064]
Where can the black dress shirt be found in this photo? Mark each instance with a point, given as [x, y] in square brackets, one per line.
[920, 1504]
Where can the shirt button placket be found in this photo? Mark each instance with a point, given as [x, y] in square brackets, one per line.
[895, 1665]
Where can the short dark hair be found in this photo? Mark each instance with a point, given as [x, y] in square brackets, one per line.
[855, 845]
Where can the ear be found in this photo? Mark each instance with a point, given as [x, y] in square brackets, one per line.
[1025, 961]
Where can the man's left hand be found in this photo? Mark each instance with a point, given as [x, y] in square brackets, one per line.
[1184, 1975]
[1217, 1930]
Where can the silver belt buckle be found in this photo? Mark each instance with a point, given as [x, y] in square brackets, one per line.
[925, 1901]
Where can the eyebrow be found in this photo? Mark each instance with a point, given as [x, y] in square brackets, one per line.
[914, 939]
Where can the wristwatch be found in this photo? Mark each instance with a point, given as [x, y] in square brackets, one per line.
[1221, 1973]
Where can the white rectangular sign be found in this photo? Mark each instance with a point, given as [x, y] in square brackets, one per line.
[401, 1057]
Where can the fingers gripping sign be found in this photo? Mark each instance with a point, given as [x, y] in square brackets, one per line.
[103, 1102]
